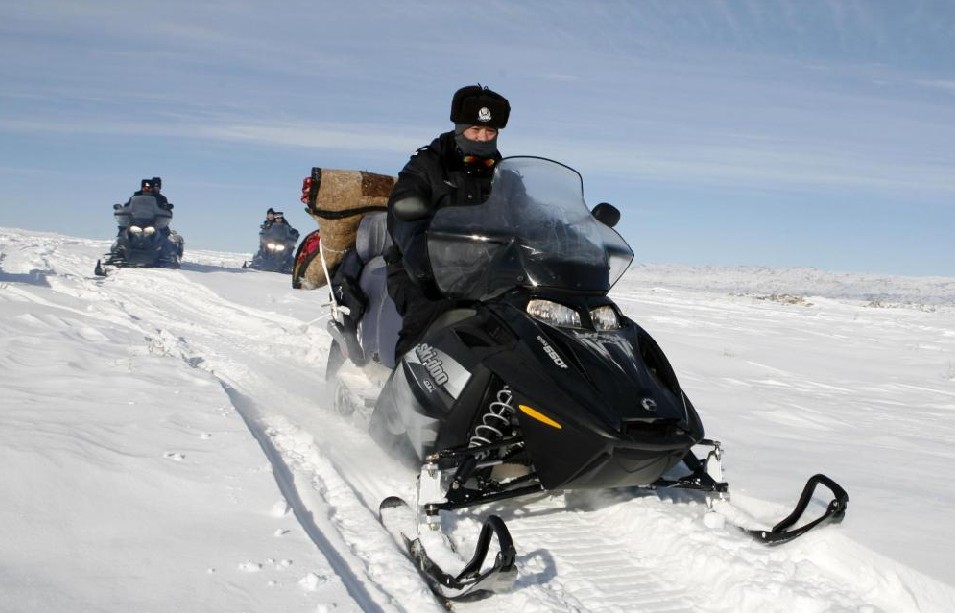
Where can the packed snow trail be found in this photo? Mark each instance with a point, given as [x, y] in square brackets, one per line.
[254, 354]
[581, 551]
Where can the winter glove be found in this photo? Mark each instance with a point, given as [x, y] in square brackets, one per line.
[351, 296]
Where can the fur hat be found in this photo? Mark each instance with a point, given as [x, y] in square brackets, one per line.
[475, 105]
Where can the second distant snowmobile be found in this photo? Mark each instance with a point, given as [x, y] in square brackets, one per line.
[276, 249]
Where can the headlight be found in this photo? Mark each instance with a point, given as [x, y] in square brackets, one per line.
[149, 230]
[135, 230]
[605, 318]
[276, 247]
[553, 313]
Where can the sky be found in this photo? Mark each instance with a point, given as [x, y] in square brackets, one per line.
[784, 133]
[169, 443]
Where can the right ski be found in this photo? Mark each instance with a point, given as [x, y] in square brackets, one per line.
[400, 519]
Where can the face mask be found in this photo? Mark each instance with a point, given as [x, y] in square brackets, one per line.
[472, 147]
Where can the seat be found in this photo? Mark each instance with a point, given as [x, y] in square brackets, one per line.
[379, 327]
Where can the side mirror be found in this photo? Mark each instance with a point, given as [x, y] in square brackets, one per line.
[411, 209]
[117, 206]
[606, 214]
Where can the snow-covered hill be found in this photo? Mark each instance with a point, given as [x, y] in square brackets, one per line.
[167, 443]
[874, 289]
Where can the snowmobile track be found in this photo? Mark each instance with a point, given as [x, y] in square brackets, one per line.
[575, 553]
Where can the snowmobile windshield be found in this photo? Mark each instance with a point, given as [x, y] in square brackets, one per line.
[145, 207]
[276, 233]
[534, 231]
[145, 210]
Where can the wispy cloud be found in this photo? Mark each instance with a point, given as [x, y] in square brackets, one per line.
[945, 85]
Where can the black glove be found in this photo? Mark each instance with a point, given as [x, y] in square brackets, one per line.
[351, 295]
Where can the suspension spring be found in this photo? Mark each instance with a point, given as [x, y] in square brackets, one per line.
[495, 420]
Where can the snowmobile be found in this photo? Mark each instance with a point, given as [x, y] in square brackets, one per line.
[537, 382]
[145, 239]
[276, 249]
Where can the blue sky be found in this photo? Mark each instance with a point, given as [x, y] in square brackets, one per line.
[785, 134]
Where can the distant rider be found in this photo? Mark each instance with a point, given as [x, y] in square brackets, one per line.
[269, 219]
[160, 199]
[152, 187]
[279, 218]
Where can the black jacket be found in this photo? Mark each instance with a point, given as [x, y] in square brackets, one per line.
[436, 175]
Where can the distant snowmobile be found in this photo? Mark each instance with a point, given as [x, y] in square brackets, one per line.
[537, 383]
[145, 239]
[276, 249]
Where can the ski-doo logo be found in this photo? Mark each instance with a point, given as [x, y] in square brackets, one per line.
[551, 352]
[428, 358]
[484, 114]
[649, 404]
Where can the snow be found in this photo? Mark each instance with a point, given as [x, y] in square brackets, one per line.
[168, 443]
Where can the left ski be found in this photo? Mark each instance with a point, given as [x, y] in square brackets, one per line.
[400, 519]
[101, 269]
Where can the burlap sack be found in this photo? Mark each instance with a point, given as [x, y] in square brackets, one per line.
[337, 200]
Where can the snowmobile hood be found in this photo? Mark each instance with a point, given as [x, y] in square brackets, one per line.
[597, 408]
[615, 379]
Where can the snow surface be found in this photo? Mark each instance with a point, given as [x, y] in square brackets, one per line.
[167, 444]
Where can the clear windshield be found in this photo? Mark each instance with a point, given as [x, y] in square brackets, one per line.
[276, 233]
[146, 207]
[534, 231]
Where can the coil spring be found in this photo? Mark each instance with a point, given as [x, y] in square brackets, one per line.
[495, 419]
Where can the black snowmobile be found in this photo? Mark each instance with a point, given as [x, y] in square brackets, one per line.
[537, 382]
[145, 239]
[276, 249]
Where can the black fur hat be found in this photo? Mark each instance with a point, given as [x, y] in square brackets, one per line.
[475, 105]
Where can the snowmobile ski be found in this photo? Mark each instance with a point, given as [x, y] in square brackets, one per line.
[400, 519]
[784, 531]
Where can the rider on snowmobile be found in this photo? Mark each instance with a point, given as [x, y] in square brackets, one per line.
[152, 187]
[160, 199]
[455, 169]
[269, 219]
